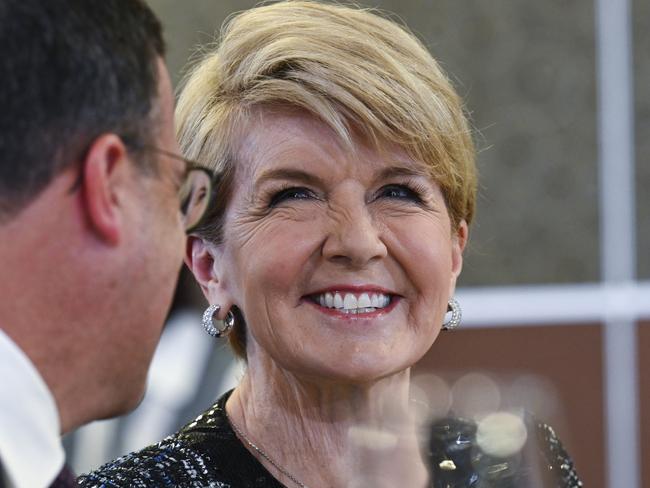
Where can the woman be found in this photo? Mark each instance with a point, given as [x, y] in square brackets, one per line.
[347, 184]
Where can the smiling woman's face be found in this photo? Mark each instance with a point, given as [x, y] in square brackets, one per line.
[341, 261]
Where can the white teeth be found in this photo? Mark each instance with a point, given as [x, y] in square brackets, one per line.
[351, 303]
[364, 301]
[356, 311]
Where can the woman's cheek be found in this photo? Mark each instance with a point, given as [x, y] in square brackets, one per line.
[281, 253]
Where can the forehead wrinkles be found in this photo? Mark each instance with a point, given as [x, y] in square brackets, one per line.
[288, 138]
[295, 140]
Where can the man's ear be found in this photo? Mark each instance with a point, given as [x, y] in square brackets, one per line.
[203, 260]
[105, 172]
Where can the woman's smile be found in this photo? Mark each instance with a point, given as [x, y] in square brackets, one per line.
[353, 302]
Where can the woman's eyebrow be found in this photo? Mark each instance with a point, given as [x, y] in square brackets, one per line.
[291, 174]
[411, 171]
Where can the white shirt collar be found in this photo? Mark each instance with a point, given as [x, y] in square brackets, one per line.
[31, 452]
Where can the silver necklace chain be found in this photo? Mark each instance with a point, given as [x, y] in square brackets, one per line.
[262, 453]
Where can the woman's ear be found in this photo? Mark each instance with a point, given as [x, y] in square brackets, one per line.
[458, 243]
[199, 257]
[203, 259]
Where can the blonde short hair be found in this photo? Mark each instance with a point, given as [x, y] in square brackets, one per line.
[350, 67]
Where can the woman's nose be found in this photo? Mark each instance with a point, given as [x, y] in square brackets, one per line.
[354, 238]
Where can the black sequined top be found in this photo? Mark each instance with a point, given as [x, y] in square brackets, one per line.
[207, 453]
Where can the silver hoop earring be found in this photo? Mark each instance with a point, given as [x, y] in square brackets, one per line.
[224, 326]
[456, 315]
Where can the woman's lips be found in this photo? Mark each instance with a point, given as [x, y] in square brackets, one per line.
[351, 302]
[359, 314]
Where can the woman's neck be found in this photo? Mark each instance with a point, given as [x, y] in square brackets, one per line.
[329, 433]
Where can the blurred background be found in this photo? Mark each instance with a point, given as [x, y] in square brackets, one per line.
[556, 283]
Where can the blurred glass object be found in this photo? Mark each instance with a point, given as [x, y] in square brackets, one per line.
[501, 434]
[475, 395]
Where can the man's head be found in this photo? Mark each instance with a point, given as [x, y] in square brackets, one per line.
[72, 70]
[91, 233]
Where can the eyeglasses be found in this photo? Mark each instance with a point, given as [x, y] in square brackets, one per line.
[196, 192]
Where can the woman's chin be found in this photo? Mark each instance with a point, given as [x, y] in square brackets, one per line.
[356, 371]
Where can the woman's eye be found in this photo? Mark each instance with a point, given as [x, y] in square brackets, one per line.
[399, 192]
[290, 194]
